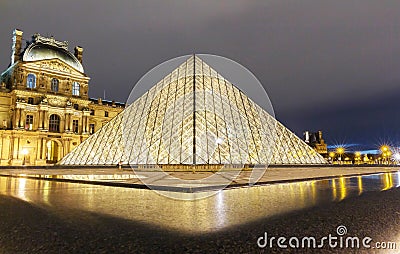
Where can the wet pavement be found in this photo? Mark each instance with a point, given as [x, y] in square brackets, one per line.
[192, 181]
[51, 216]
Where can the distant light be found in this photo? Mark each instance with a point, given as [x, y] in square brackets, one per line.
[396, 156]
[385, 148]
[219, 141]
[340, 150]
[24, 151]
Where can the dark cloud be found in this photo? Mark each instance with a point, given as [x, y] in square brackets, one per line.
[316, 59]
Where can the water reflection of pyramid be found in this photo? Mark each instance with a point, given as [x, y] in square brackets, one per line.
[193, 116]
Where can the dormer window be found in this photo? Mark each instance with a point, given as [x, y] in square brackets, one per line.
[31, 81]
[54, 85]
[75, 88]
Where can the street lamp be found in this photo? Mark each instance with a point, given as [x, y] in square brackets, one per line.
[385, 150]
[340, 150]
[331, 156]
[357, 157]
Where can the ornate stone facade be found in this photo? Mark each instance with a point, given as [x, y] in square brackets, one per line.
[45, 111]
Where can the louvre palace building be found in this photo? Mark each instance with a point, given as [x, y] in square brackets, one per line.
[45, 110]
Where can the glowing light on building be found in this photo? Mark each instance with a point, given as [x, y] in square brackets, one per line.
[24, 151]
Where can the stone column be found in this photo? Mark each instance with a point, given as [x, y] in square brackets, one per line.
[44, 148]
[11, 151]
[70, 123]
[67, 145]
[23, 118]
[84, 120]
[67, 119]
[39, 121]
[38, 148]
[21, 124]
[46, 120]
[82, 124]
[87, 125]
[16, 151]
[17, 117]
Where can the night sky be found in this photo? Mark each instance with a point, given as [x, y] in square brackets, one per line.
[326, 65]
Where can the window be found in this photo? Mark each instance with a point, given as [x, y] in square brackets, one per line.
[31, 81]
[54, 85]
[75, 126]
[106, 113]
[29, 122]
[75, 88]
[91, 128]
[76, 106]
[54, 123]
[30, 100]
[92, 112]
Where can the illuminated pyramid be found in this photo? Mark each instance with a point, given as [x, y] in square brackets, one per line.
[193, 116]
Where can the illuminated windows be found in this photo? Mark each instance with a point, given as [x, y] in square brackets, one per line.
[31, 81]
[75, 126]
[29, 122]
[54, 123]
[75, 88]
[54, 85]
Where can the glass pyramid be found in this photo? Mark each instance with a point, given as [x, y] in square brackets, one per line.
[193, 116]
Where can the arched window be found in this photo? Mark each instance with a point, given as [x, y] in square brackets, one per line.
[54, 85]
[31, 81]
[75, 88]
[54, 123]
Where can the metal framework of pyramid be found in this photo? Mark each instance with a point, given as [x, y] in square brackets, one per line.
[193, 116]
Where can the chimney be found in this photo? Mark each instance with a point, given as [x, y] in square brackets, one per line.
[16, 46]
[78, 53]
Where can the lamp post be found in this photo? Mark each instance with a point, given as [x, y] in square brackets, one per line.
[385, 151]
[357, 158]
[340, 151]
[332, 156]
